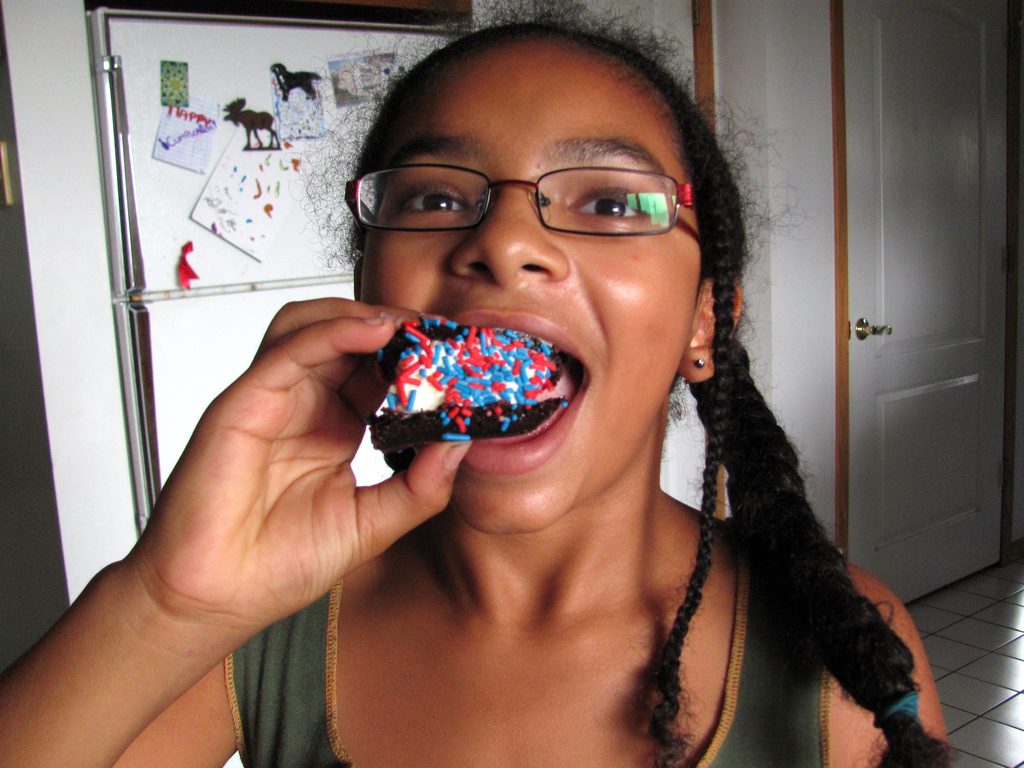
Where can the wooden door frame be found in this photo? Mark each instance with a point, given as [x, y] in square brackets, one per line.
[704, 58]
[842, 322]
[1013, 61]
[841, 530]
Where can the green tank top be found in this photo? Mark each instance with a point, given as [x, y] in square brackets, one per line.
[281, 688]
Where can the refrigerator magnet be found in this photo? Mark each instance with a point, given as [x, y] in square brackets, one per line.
[174, 83]
[297, 104]
[185, 272]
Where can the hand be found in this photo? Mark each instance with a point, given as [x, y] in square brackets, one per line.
[262, 513]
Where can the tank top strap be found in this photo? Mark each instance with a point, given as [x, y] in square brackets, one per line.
[278, 689]
[775, 713]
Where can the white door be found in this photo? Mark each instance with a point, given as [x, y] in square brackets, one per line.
[925, 99]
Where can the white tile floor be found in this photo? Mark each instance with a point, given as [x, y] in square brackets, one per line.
[974, 633]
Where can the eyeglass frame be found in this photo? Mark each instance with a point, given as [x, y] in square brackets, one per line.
[683, 190]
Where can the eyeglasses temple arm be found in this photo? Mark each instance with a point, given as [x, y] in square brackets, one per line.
[685, 194]
[352, 198]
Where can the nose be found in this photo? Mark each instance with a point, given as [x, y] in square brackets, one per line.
[511, 244]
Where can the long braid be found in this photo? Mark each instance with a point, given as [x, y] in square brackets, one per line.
[771, 517]
[673, 746]
[718, 238]
[789, 549]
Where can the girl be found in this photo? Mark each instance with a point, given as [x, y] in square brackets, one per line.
[526, 601]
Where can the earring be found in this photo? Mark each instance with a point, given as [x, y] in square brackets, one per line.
[699, 363]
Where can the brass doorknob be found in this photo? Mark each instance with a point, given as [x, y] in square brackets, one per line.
[863, 329]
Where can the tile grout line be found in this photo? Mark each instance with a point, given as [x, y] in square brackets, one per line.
[986, 652]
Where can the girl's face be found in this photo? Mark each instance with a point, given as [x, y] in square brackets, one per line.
[625, 307]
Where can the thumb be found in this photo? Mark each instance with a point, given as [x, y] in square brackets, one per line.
[390, 509]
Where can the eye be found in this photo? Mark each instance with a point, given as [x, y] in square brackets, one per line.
[432, 200]
[607, 202]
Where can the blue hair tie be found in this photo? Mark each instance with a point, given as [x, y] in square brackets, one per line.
[905, 705]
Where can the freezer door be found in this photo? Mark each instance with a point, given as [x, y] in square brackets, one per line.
[198, 347]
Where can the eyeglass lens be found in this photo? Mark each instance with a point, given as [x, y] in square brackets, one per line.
[585, 200]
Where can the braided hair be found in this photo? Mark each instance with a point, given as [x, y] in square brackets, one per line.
[771, 520]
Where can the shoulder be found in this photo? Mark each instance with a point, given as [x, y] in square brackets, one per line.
[885, 600]
[854, 741]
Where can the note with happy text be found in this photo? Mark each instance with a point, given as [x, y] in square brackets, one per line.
[185, 135]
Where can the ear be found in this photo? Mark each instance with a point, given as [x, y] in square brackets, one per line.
[697, 364]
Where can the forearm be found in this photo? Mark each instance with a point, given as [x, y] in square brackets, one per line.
[111, 665]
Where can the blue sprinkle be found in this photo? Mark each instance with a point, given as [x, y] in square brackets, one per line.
[456, 436]
[412, 338]
[412, 400]
[380, 354]
[392, 401]
[504, 424]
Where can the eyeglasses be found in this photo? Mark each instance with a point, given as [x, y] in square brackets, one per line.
[591, 201]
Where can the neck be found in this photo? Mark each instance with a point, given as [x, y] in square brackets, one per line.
[593, 557]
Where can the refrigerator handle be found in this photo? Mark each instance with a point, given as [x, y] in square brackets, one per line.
[126, 245]
[137, 383]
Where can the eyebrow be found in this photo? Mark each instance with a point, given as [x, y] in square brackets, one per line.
[604, 151]
[436, 148]
[565, 153]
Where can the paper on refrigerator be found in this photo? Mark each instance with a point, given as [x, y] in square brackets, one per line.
[249, 194]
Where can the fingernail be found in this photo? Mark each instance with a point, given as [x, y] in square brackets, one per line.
[374, 320]
[398, 319]
[452, 459]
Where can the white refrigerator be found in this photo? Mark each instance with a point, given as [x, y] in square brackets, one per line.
[206, 208]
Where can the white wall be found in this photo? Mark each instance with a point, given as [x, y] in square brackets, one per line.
[670, 17]
[60, 188]
[773, 82]
[32, 583]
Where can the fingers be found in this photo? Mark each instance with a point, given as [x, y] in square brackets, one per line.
[295, 315]
[394, 507]
[291, 338]
[326, 347]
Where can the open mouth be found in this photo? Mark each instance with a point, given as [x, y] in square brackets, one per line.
[463, 382]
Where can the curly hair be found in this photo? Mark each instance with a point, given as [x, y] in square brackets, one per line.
[771, 519]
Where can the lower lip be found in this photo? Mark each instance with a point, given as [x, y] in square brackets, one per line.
[523, 453]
